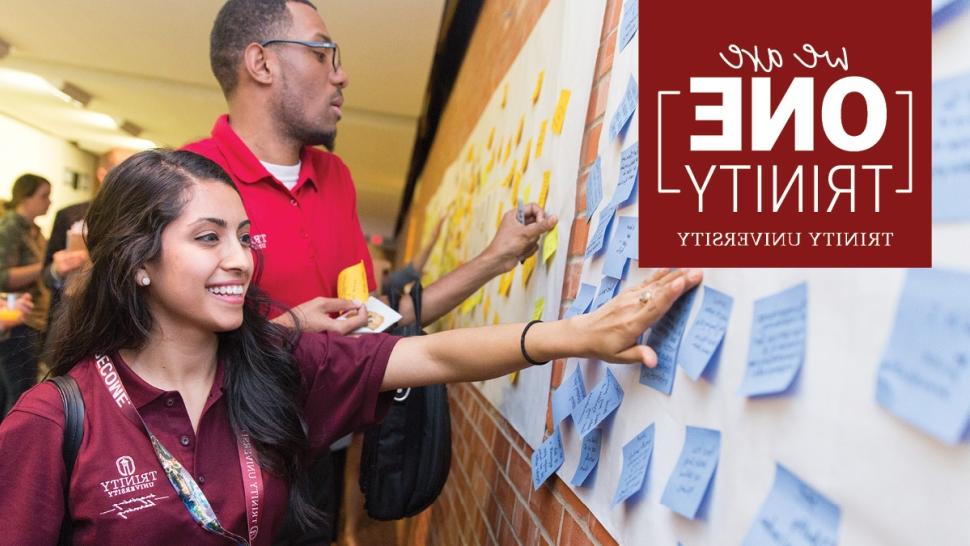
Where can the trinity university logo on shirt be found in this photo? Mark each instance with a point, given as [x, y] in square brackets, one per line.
[796, 137]
[129, 491]
[257, 241]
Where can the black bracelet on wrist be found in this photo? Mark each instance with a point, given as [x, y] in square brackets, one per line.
[522, 345]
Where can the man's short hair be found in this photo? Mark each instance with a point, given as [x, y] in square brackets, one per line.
[238, 24]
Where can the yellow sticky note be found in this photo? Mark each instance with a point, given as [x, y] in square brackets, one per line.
[516, 179]
[514, 377]
[518, 132]
[498, 218]
[538, 88]
[559, 117]
[491, 139]
[526, 155]
[505, 283]
[495, 319]
[486, 306]
[526, 192]
[505, 95]
[537, 310]
[352, 283]
[528, 266]
[550, 243]
[542, 137]
[544, 190]
[508, 150]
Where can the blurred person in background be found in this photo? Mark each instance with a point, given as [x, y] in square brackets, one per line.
[66, 252]
[22, 249]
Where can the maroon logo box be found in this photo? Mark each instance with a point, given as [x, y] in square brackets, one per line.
[778, 134]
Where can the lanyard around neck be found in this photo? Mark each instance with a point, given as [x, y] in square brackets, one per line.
[181, 479]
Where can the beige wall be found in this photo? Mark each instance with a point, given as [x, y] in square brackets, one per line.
[24, 149]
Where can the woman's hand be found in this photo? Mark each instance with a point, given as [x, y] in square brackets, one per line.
[610, 333]
[314, 315]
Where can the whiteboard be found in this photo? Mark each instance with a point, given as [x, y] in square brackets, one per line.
[475, 189]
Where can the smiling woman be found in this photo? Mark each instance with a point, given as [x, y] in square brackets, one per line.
[183, 376]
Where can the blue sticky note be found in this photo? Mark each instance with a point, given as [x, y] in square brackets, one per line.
[777, 347]
[630, 22]
[951, 149]
[565, 398]
[589, 456]
[945, 10]
[606, 291]
[636, 460]
[664, 339]
[598, 404]
[924, 374]
[595, 244]
[594, 187]
[628, 104]
[691, 478]
[583, 300]
[629, 171]
[623, 240]
[794, 514]
[707, 333]
[547, 459]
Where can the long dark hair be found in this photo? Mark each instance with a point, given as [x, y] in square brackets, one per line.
[109, 312]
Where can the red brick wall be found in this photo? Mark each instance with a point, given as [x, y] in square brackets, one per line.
[489, 498]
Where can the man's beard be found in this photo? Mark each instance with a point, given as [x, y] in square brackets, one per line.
[299, 128]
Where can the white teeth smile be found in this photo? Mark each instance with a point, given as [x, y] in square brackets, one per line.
[231, 290]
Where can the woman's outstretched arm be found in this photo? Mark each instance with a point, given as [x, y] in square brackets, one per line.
[608, 334]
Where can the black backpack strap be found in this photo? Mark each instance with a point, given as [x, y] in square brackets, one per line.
[73, 430]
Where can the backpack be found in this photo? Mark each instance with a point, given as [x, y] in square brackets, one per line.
[73, 430]
[406, 457]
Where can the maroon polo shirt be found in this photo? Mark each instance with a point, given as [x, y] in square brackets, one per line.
[307, 236]
[119, 493]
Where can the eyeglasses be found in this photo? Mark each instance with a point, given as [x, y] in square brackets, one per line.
[335, 59]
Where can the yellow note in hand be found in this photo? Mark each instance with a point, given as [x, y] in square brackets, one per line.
[352, 283]
[550, 243]
[559, 117]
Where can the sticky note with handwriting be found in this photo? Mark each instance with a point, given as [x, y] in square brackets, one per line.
[546, 459]
[629, 172]
[629, 23]
[628, 104]
[584, 298]
[924, 374]
[636, 461]
[664, 339]
[589, 456]
[706, 334]
[691, 479]
[594, 187]
[606, 291]
[559, 116]
[951, 149]
[595, 244]
[598, 404]
[777, 346]
[622, 242]
[794, 514]
[567, 396]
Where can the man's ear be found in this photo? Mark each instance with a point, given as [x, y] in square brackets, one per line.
[257, 65]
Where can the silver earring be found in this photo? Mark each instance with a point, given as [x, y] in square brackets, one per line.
[145, 281]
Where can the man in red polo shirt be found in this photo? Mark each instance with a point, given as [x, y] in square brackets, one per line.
[281, 74]
[282, 78]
